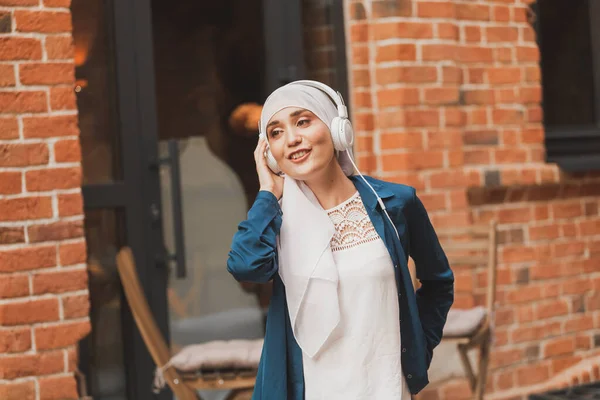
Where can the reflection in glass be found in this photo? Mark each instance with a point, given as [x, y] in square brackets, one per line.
[103, 348]
[208, 304]
[95, 89]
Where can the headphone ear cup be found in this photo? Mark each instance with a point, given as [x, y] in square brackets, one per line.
[272, 163]
[342, 133]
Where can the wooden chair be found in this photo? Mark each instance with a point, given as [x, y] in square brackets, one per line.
[184, 386]
[472, 328]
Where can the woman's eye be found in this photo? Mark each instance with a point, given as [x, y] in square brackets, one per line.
[303, 122]
[275, 132]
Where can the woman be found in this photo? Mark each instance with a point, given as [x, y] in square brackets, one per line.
[344, 320]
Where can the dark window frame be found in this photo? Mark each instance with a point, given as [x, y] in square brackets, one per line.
[575, 148]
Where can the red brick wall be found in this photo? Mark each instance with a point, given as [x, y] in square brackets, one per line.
[446, 97]
[43, 278]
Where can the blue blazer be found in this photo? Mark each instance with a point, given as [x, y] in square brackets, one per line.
[253, 258]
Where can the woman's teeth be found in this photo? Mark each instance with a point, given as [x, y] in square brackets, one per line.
[299, 154]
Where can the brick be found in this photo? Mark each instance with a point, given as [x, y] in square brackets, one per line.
[63, 98]
[359, 33]
[510, 156]
[32, 365]
[562, 363]
[7, 78]
[412, 161]
[361, 78]
[438, 52]
[507, 116]
[46, 73]
[67, 151]
[390, 8]
[15, 340]
[441, 95]
[14, 49]
[501, 13]
[448, 31]
[393, 30]
[10, 183]
[544, 232]
[60, 282]
[13, 286]
[473, 12]
[560, 346]
[454, 117]
[19, 3]
[62, 335]
[579, 323]
[472, 33]
[29, 312]
[11, 235]
[58, 388]
[57, 3]
[21, 155]
[422, 118]
[504, 75]
[70, 204]
[531, 95]
[457, 390]
[23, 102]
[435, 10]
[72, 359]
[478, 96]
[501, 34]
[447, 179]
[43, 21]
[404, 140]
[552, 309]
[55, 231]
[532, 374]
[59, 47]
[567, 210]
[451, 75]
[27, 259]
[360, 55]
[20, 390]
[531, 54]
[55, 178]
[445, 139]
[593, 302]
[476, 157]
[514, 215]
[397, 97]
[5, 22]
[45, 127]
[25, 208]
[9, 128]
[506, 357]
[76, 306]
[480, 137]
[396, 52]
[421, 74]
[474, 54]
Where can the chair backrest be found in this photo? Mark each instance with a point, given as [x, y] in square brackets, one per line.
[147, 325]
[474, 246]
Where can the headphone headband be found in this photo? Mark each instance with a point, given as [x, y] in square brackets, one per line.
[335, 96]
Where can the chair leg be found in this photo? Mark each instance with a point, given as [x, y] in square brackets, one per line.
[484, 361]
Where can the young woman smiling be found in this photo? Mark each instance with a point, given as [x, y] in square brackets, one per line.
[344, 320]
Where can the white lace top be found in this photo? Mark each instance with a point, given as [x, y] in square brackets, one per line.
[361, 358]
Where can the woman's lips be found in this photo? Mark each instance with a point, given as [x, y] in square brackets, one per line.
[301, 159]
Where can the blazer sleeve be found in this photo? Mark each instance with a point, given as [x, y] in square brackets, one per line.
[253, 253]
[436, 294]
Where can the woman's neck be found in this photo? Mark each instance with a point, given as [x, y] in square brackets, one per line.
[332, 187]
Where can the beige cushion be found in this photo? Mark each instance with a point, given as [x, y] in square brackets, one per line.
[218, 355]
[462, 323]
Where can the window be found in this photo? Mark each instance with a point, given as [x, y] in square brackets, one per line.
[570, 62]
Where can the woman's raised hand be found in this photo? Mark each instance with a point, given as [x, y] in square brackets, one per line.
[268, 180]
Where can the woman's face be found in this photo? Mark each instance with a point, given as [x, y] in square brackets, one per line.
[300, 143]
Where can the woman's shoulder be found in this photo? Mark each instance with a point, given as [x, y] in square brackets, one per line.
[386, 188]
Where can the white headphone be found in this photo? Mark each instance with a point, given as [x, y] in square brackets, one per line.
[342, 132]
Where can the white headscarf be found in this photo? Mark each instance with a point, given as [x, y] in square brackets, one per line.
[306, 263]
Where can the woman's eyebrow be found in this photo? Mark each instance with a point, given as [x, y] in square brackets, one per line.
[294, 114]
[272, 123]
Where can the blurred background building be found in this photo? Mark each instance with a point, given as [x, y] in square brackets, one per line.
[490, 108]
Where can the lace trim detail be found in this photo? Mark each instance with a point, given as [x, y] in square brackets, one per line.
[352, 224]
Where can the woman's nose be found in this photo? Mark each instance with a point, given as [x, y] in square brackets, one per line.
[292, 138]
